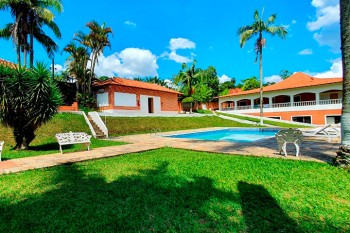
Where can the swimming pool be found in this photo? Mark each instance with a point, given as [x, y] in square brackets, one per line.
[232, 134]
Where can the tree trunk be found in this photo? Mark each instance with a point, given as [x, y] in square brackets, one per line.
[343, 155]
[18, 54]
[31, 51]
[261, 77]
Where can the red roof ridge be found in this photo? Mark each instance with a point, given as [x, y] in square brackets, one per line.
[134, 83]
[7, 63]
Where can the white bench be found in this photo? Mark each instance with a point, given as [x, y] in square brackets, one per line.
[1, 145]
[290, 135]
[73, 138]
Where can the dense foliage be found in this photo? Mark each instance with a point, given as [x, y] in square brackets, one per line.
[28, 99]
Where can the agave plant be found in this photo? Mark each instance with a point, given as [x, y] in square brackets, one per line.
[29, 98]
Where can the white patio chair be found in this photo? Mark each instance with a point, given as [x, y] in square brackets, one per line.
[328, 131]
[1, 145]
[290, 135]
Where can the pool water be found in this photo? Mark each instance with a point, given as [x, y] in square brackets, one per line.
[236, 135]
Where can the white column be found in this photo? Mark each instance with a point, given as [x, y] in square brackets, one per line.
[317, 95]
[252, 103]
[292, 100]
[235, 104]
[270, 102]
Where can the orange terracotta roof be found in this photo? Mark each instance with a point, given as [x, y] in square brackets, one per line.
[297, 80]
[134, 83]
[7, 63]
[234, 90]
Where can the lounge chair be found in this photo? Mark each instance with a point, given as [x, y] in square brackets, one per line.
[290, 135]
[1, 145]
[328, 131]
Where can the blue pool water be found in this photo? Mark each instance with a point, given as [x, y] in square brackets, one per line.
[236, 135]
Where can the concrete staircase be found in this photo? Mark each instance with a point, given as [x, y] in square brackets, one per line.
[99, 133]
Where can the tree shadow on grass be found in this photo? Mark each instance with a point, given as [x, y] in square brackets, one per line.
[152, 200]
[48, 147]
[262, 212]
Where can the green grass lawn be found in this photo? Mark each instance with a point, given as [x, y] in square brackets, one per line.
[172, 190]
[136, 125]
[45, 141]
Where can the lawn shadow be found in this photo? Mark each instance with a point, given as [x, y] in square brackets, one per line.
[261, 211]
[48, 147]
[151, 200]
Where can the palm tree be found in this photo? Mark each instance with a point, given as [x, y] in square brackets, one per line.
[30, 16]
[77, 67]
[257, 29]
[343, 154]
[96, 40]
[187, 77]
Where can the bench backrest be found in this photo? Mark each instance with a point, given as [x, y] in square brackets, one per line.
[1, 145]
[72, 137]
[289, 135]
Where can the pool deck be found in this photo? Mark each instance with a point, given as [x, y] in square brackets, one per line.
[312, 149]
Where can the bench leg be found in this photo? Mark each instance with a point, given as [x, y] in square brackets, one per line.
[61, 149]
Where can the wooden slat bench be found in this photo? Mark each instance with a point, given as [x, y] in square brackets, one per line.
[73, 138]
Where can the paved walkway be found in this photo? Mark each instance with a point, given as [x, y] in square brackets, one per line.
[312, 150]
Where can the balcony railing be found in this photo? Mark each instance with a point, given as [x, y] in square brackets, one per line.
[283, 105]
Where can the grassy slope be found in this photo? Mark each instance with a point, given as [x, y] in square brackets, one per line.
[274, 123]
[170, 190]
[136, 125]
[45, 141]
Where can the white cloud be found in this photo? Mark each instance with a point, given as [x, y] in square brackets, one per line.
[326, 24]
[178, 58]
[306, 52]
[130, 24]
[335, 71]
[273, 78]
[325, 16]
[170, 83]
[224, 78]
[176, 44]
[294, 21]
[131, 62]
[58, 68]
[181, 43]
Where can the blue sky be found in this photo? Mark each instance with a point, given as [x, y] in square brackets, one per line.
[154, 37]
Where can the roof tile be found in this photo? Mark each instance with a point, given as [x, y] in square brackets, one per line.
[134, 83]
[297, 80]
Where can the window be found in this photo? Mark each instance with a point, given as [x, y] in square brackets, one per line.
[302, 119]
[332, 119]
[297, 98]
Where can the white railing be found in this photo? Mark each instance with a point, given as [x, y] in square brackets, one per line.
[281, 105]
[331, 101]
[98, 121]
[305, 103]
[89, 124]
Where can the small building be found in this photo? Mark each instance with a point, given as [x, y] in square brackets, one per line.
[126, 95]
[299, 98]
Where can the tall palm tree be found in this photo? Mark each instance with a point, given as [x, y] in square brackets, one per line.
[257, 28]
[77, 65]
[343, 154]
[187, 77]
[96, 40]
[30, 16]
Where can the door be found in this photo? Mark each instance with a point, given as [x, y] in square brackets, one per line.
[150, 105]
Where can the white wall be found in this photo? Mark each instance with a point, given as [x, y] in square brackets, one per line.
[144, 103]
[124, 99]
[102, 99]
